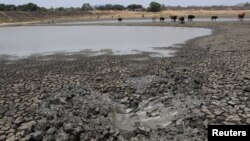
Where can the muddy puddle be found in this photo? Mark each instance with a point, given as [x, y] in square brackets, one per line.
[150, 114]
[153, 112]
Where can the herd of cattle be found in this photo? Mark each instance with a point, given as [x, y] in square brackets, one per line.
[189, 17]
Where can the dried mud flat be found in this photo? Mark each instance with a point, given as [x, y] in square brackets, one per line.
[130, 97]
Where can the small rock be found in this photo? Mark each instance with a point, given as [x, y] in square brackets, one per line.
[59, 101]
[26, 138]
[63, 136]
[99, 79]
[2, 110]
[205, 110]
[217, 103]
[2, 122]
[68, 128]
[218, 112]
[10, 131]
[18, 121]
[20, 133]
[33, 107]
[49, 138]
[36, 136]
[178, 122]
[247, 89]
[154, 114]
[248, 121]
[248, 115]
[231, 103]
[6, 127]
[51, 131]
[134, 139]
[11, 138]
[215, 97]
[247, 109]
[145, 129]
[242, 106]
[27, 126]
[124, 100]
[234, 118]
[117, 132]
[195, 131]
[2, 138]
[196, 81]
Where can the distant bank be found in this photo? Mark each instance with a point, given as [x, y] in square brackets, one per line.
[41, 16]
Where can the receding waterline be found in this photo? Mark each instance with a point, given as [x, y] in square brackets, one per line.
[119, 40]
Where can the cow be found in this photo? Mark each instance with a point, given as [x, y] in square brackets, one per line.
[191, 17]
[182, 20]
[241, 16]
[173, 18]
[162, 19]
[119, 19]
[214, 18]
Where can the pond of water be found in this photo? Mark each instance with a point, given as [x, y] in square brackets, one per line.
[24, 41]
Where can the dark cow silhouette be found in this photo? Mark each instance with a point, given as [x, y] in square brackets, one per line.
[214, 18]
[119, 19]
[191, 17]
[162, 19]
[173, 18]
[241, 16]
[182, 20]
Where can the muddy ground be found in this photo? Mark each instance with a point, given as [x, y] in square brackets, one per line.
[130, 97]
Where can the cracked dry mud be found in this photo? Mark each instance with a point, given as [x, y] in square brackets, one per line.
[130, 97]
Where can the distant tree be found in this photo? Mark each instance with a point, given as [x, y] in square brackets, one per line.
[247, 4]
[71, 9]
[86, 7]
[118, 7]
[60, 9]
[154, 7]
[134, 7]
[43, 9]
[100, 7]
[28, 7]
[110, 7]
[2, 7]
[10, 7]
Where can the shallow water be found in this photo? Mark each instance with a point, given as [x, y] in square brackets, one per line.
[31, 40]
[147, 20]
